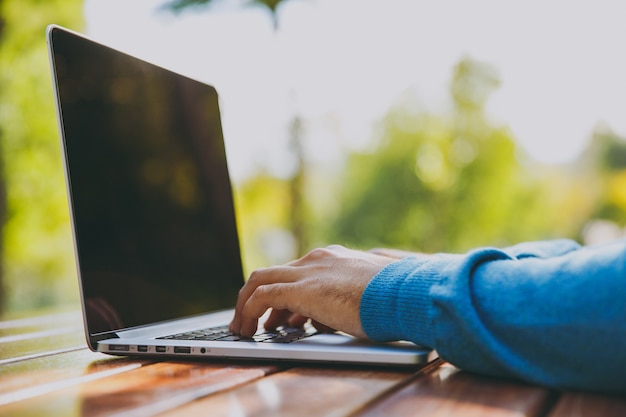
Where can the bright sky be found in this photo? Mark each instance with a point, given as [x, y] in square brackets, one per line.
[341, 64]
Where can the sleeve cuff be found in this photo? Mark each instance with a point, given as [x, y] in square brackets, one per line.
[397, 304]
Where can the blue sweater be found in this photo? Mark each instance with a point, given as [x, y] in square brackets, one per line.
[552, 313]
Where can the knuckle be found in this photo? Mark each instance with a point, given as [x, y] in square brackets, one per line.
[254, 281]
[256, 276]
[319, 253]
[265, 292]
[335, 247]
[242, 291]
[267, 296]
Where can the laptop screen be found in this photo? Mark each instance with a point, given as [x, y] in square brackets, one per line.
[150, 194]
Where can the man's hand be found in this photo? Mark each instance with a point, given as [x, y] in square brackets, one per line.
[325, 285]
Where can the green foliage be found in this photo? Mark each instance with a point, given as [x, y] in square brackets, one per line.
[606, 157]
[448, 183]
[432, 182]
[38, 256]
[442, 182]
[263, 211]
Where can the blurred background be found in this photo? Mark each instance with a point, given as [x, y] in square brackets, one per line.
[427, 126]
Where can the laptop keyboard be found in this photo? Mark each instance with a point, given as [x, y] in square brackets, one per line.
[221, 333]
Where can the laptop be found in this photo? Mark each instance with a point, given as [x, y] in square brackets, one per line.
[153, 219]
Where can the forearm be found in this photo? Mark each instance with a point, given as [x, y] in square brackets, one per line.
[542, 312]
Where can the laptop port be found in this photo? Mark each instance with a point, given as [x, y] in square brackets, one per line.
[142, 348]
[182, 349]
[119, 348]
[161, 349]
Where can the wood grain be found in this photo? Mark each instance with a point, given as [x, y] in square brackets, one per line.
[585, 404]
[46, 370]
[55, 370]
[24, 338]
[451, 392]
[31, 321]
[136, 390]
[301, 392]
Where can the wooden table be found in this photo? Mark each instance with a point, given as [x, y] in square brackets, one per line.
[46, 370]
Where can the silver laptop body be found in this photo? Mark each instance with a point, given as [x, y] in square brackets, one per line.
[152, 213]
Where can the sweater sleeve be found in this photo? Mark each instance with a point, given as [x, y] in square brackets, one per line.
[552, 313]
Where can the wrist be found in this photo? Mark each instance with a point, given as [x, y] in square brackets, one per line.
[396, 304]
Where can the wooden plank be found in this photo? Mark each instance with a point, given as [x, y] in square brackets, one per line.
[451, 392]
[31, 323]
[27, 337]
[587, 404]
[24, 348]
[53, 370]
[303, 391]
[144, 390]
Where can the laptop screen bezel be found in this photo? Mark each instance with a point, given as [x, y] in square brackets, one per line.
[92, 335]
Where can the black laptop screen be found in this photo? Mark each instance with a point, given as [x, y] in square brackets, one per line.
[149, 188]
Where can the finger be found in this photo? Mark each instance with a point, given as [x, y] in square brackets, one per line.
[264, 297]
[277, 318]
[322, 327]
[258, 278]
[297, 320]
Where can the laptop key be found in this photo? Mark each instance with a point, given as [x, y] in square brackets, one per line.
[230, 338]
[281, 335]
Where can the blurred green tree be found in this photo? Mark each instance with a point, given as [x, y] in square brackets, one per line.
[3, 196]
[605, 158]
[263, 220]
[447, 183]
[38, 259]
